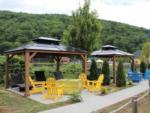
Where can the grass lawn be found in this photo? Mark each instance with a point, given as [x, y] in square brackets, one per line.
[143, 106]
[13, 103]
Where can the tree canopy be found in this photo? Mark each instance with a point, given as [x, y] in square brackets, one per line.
[19, 28]
[145, 53]
[84, 30]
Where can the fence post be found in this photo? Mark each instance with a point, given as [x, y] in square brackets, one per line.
[134, 105]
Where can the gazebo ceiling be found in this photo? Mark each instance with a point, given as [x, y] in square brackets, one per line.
[46, 44]
[110, 51]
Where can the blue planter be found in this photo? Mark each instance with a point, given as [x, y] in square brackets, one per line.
[147, 74]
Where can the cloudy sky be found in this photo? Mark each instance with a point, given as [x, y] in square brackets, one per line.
[134, 12]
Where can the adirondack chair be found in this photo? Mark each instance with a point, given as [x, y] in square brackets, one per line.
[58, 75]
[40, 77]
[95, 85]
[83, 78]
[37, 87]
[54, 91]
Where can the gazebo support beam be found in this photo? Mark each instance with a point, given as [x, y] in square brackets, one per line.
[6, 72]
[6, 75]
[132, 64]
[84, 64]
[32, 55]
[114, 69]
[27, 66]
[57, 58]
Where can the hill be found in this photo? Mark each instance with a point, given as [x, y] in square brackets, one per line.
[19, 28]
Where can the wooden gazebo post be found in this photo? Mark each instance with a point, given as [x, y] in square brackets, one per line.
[27, 66]
[58, 58]
[114, 69]
[132, 64]
[6, 77]
[84, 64]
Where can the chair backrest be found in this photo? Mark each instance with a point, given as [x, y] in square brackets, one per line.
[101, 78]
[82, 76]
[40, 76]
[58, 75]
[50, 82]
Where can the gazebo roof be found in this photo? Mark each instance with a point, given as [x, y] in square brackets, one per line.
[46, 44]
[109, 51]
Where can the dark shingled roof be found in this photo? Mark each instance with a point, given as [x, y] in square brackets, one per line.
[47, 44]
[109, 51]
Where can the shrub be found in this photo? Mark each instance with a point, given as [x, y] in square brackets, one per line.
[76, 97]
[104, 90]
[17, 65]
[106, 72]
[93, 71]
[130, 83]
[120, 78]
[142, 67]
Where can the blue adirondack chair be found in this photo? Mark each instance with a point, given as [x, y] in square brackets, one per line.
[147, 74]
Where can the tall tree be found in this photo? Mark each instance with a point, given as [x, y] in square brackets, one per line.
[145, 54]
[84, 31]
[121, 77]
[93, 71]
[142, 67]
[106, 72]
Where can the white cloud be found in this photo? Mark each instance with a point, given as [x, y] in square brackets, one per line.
[134, 12]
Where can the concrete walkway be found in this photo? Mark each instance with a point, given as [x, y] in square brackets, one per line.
[92, 102]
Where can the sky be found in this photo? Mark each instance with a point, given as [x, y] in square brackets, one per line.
[133, 12]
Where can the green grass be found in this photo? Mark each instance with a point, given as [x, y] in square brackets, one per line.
[13, 103]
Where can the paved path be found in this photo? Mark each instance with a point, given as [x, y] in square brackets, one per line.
[92, 102]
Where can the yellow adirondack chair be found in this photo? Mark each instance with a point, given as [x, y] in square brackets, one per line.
[83, 78]
[37, 87]
[54, 91]
[95, 85]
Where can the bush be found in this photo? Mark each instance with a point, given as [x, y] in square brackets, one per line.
[130, 83]
[17, 65]
[104, 90]
[76, 97]
[121, 77]
[106, 72]
[93, 71]
[142, 67]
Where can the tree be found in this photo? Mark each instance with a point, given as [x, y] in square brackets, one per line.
[106, 72]
[145, 53]
[142, 67]
[121, 77]
[84, 30]
[93, 71]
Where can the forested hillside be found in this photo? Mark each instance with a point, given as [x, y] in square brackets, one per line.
[19, 28]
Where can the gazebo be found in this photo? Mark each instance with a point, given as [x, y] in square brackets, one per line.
[41, 46]
[109, 51]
